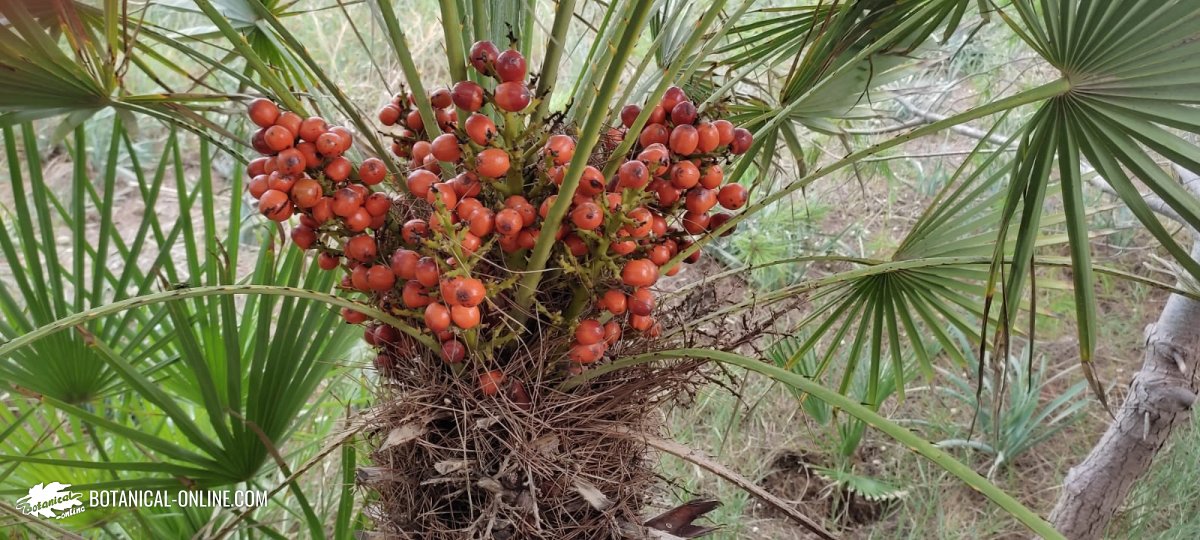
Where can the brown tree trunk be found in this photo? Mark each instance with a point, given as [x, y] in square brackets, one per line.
[1160, 399]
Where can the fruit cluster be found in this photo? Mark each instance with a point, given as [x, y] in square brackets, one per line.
[443, 243]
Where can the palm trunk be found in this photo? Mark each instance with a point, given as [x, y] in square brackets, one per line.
[1160, 399]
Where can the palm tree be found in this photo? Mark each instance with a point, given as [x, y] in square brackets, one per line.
[209, 381]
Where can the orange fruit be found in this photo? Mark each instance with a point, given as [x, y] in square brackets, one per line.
[587, 216]
[338, 169]
[491, 163]
[483, 56]
[700, 200]
[413, 231]
[591, 182]
[346, 201]
[707, 138]
[359, 221]
[629, 114]
[263, 112]
[290, 121]
[380, 278]
[612, 332]
[275, 205]
[304, 237]
[468, 96]
[641, 302]
[742, 139]
[437, 317]
[509, 222]
[440, 98]
[510, 66]
[684, 175]
[633, 174]
[672, 97]
[639, 273]
[560, 148]
[465, 317]
[427, 272]
[683, 113]
[733, 196]
[445, 148]
[512, 96]
[414, 295]
[482, 222]
[353, 317]
[328, 144]
[312, 128]
[684, 139]
[695, 223]
[481, 129]
[372, 171]
[724, 132]
[404, 263]
[453, 351]
[278, 138]
[589, 331]
[652, 134]
[614, 301]
[327, 261]
[490, 382]
[362, 248]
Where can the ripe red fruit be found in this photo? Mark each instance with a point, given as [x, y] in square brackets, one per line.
[444, 192]
[353, 317]
[733, 196]
[560, 148]
[437, 317]
[306, 192]
[468, 96]
[639, 273]
[612, 332]
[360, 220]
[304, 237]
[707, 137]
[587, 216]
[481, 222]
[724, 132]
[589, 331]
[329, 144]
[509, 222]
[413, 231]
[695, 223]
[712, 176]
[512, 96]
[586, 354]
[664, 192]
[453, 351]
[414, 295]
[490, 382]
[614, 302]
[275, 205]
[338, 169]
[312, 159]
[327, 261]
[290, 162]
[633, 174]
[575, 245]
[719, 219]
[358, 278]
[465, 317]
[480, 129]
[656, 159]
[372, 171]
[684, 174]
[263, 112]
[684, 139]
[653, 133]
[629, 114]
[683, 113]
[672, 97]
[345, 138]
[362, 248]
[470, 292]
[258, 141]
[643, 222]
[510, 66]
[658, 115]
[445, 148]
[414, 121]
[389, 115]
[419, 182]
[256, 167]
[404, 263]
[591, 182]
[641, 302]
[280, 182]
[323, 210]
[522, 206]
[623, 247]
[427, 272]
[659, 254]
[312, 128]
[278, 138]
[742, 139]
[483, 56]
[440, 98]
[290, 121]
[491, 163]
[346, 202]
[380, 278]
[700, 200]
[641, 323]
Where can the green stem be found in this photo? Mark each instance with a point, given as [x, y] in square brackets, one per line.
[1033, 95]
[77, 319]
[452, 25]
[589, 136]
[563, 13]
[897, 432]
